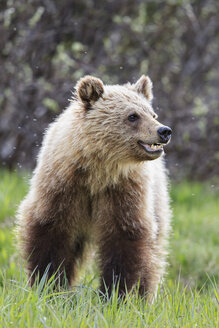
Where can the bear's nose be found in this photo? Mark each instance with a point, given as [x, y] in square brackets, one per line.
[164, 133]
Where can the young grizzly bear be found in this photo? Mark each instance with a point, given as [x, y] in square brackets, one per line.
[100, 176]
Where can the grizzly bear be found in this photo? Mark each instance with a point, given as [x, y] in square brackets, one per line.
[100, 177]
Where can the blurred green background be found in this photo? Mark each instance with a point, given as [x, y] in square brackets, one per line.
[47, 45]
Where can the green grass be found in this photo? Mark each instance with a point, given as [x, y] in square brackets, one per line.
[188, 298]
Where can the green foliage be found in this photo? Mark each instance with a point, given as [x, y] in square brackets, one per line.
[188, 298]
[51, 104]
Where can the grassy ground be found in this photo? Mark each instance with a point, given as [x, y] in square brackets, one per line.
[188, 298]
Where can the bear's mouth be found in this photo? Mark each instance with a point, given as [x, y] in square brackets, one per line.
[155, 148]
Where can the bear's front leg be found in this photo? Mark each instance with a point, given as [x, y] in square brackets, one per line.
[122, 265]
[51, 234]
[51, 250]
[127, 248]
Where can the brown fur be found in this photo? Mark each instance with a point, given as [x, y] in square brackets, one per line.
[93, 182]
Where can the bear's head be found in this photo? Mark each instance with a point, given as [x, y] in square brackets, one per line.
[120, 122]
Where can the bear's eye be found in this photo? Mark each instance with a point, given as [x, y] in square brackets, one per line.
[133, 117]
[155, 116]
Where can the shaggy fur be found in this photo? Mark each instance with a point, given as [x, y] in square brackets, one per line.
[94, 182]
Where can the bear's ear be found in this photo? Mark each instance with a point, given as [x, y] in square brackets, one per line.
[144, 85]
[89, 89]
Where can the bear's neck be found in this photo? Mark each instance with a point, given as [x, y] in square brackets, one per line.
[100, 175]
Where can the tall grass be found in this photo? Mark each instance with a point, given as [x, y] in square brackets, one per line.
[189, 296]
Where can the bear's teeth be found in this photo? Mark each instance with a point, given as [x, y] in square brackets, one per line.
[153, 146]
